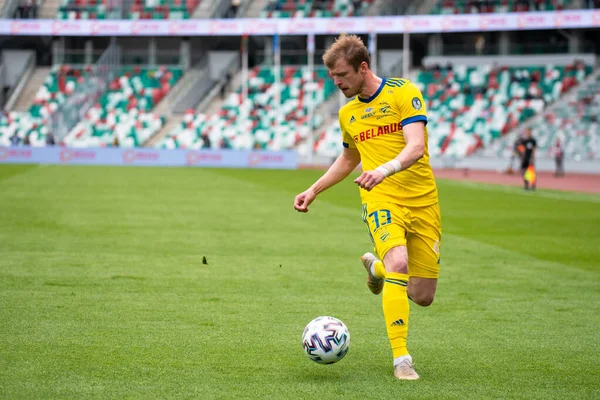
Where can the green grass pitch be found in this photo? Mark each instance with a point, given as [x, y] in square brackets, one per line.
[103, 292]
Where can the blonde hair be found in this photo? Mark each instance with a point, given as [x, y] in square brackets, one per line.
[349, 47]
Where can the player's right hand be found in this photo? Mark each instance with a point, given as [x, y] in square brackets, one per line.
[303, 200]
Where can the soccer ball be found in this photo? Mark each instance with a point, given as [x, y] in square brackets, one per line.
[326, 340]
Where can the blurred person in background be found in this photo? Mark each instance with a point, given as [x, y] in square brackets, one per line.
[206, 143]
[50, 141]
[559, 154]
[527, 165]
[26, 9]
[516, 155]
[14, 140]
[233, 8]
[479, 45]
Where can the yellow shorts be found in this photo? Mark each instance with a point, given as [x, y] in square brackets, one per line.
[417, 228]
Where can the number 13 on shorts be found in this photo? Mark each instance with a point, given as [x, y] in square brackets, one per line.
[387, 224]
[417, 228]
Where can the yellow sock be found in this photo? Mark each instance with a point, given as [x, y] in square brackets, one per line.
[379, 269]
[395, 310]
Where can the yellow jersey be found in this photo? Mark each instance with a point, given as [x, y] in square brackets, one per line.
[374, 127]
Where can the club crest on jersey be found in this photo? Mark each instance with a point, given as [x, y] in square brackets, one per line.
[384, 235]
[416, 103]
[352, 119]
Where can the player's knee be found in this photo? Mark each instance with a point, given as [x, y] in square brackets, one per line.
[426, 300]
[422, 299]
[398, 266]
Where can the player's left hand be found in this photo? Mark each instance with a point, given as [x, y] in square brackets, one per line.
[369, 179]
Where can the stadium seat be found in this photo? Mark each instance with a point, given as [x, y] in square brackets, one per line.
[123, 111]
[88, 9]
[576, 123]
[123, 115]
[470, 6]
[469, 107]
[28, 129]
[257, 123]
[139, 9]
[314, 8]
[60, 84]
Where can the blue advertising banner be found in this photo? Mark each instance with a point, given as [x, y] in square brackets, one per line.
[150, 157]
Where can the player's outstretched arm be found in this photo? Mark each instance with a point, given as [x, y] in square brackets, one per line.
[340, 169]
[414, 135]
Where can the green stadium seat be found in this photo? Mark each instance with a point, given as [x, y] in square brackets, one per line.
[313, 8]
[470, 107]
[140, 9]
[495, 6]
[60, 84]
[576, 123]
[124, 111]
[256, 123]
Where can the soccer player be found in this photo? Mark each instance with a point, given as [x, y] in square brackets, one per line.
[384, 126]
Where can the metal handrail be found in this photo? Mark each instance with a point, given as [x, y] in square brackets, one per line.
[192, 85]
[21, 81]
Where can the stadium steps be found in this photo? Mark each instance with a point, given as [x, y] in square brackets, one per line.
[164, 106]
[214, 100]
[255, 8]
[49, 9]
[329, 118]
[36, 80]
[164, 109]
[332, 103]
[169, 126]
[204, 10]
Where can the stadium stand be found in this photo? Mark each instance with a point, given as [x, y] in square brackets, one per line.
[576, 123]
[123, 115]
[123, 112]
[163, 9]
[469, 107]
[140, 9]
[254, 124]
[32, 127]
[314, 8]
[491, 6]
[88, 9]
